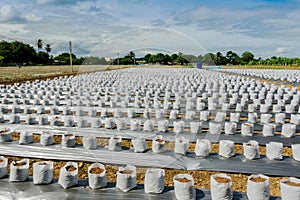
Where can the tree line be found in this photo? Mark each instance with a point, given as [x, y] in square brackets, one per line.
[19, 53]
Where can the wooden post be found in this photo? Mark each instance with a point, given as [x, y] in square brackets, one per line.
[71, 63]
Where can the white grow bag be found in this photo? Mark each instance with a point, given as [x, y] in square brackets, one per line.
[251, 150]
[90, 142]
[42, 172]
[289, 192]
[126, 178]
[202, 148]
[296, 151]
[221, 190]
[258, 187]
[226, 148]
[184, 187]
[67, 178]
[274, 150]
[181, 145]
[288, 130]
[154, 181]
[230, 128]
[158, 144]
[19, 172]
[3, 166]
[97, 176]
[139, 145]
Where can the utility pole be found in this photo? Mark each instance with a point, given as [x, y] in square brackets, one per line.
[71, 63]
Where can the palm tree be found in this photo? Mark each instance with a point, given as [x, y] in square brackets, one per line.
[39, 44]
[48, 48]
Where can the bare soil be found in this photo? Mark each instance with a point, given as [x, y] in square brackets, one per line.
[70, 168]
[4, 131]
[96, 170]
[183, 180]
[222, 180]
[258, 179]
[292, 184]
[126, 172]
[19, 164]
[159, 140]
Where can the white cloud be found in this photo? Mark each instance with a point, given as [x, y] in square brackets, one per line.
[8, 13]
[281, 50]
[32, 18]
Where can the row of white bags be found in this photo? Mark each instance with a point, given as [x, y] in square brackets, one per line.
[274, 150]
[258, 185]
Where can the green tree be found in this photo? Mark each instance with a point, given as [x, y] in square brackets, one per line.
[247, 57]
[147, 57]
[64, 59]
[48, 48]
[209, 59]
[233, 58]
[39, 44]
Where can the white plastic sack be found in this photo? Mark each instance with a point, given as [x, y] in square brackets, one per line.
[134, 125]
[289, 188]
[173, 114]
[115, 143]
[148, 125]
[235, 117]
[131, 113]
[126, 178]
[202, 147]
[97, 176]
[46, 138]
[274, 150]
[139, 145]
[90, 142]
[163, 125]
[252, 117]
[68, 140]
[158, 144]
[159, 114]
[288, 130]
[68, 176]
[296, 151]
[221, 187]
[215, 127]
[280, 118]
[230, 128]
[268, 130]
[258, 187]
[5, 135]
[251, 150]
[121, 124]
[109, 123]
[295, 119]
[181, 145]
[3, 166]
[184, 187]
[226, 148]
[247, 129]
[19, 170]
[220, 116]
[178, 126]
[189, 115]
[265, 118]
[42, 172]
[196, 127]
[204, 115]
[25, 137]
[147, 114]
[154, 181]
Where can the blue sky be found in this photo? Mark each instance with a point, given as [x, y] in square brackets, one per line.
[108, 27]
